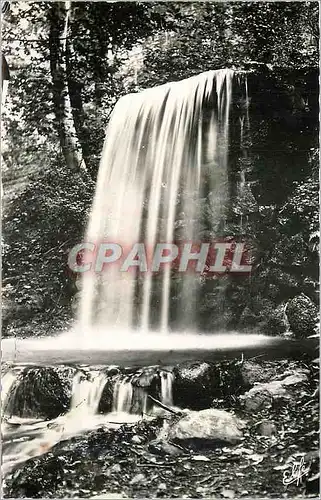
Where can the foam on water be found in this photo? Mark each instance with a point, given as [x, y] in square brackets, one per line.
[132, 348]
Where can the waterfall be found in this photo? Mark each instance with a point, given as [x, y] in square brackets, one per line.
[8, 382]
[167, 379]
[129, 398]
[123, 394]
[164, 146]
[86, 392]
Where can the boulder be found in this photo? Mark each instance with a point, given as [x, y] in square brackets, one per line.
[145, 382]
[113, 374]
[197, 384]
[206, 428]
[263, 395]
[253, 372]
[146, 377]
[42, 392]
[65, 375]
[107, 396]
[302, 314]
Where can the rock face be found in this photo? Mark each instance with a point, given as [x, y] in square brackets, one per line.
[302, 315]
[206, 428]
[262, 395]
[107, 397]
[197, 384]
[43, 392]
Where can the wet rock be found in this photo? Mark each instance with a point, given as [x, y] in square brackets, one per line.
[144, 381]
[197, 384]
[66, 375]
[140, 403]
[263, 395]
[302, 316]
[206, 428]
[146, 376]
[43, 392]
[193, 385]
[107, 396]
[112, 370]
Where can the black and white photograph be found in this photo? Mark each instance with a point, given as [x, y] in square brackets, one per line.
[160, 249]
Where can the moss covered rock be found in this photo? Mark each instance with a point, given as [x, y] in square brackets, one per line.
[302, 314]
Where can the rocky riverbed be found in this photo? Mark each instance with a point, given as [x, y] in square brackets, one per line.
[237, 429]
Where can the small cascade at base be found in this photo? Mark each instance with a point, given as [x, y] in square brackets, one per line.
[130, 397]
[167, 379]
[128, 401]
[123, 395]
[86, 391]
[8, 382]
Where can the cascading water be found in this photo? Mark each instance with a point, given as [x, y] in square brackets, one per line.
[123, 394]
[163, 146]
[166, 148]
[7, 385]
[165, 154]
[167, 379]
[86, 392]
[32, 436]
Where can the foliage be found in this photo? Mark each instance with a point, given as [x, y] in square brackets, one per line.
[41, 226]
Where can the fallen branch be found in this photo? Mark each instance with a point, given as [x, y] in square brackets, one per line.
[178, 446]
[164, 407]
